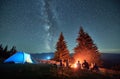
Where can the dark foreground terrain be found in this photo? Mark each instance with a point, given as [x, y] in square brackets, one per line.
[45, 71]
[29, 71]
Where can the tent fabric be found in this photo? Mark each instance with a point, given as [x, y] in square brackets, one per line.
[19, 57]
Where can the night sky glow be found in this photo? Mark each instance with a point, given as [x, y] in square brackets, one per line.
[34, 25]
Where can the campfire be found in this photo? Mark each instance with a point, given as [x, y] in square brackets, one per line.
[74, 65]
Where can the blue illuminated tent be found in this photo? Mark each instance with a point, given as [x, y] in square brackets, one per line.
[19, 57]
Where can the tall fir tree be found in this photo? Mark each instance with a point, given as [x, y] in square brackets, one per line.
[13, 50]
[86, 49]
[61, 52]
[5, 52]
[1, 50]
[6, 48]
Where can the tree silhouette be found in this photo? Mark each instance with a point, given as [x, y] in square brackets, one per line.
[5, 53]
[6, 48]
[61, 52]
[13, 50]
[86, 49]
[1, 50]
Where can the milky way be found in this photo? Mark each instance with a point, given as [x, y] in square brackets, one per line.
[49, 22]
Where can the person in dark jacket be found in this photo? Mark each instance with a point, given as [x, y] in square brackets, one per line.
[95, 67]
[85, 65]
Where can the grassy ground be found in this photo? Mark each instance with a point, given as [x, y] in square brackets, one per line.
[30, 71]
[45, 71]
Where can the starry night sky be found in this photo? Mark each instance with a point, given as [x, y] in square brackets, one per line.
[34, 26]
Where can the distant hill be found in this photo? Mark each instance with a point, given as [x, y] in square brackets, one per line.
[43, 55]
[109, 59]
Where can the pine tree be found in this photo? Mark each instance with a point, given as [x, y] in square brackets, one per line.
[61, 52]
[6, 48]
[13, 50]
[6, 52]
[1, 50]
[86, 49]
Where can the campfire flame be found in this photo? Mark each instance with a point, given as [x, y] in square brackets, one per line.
[74, 65]
[77, 58]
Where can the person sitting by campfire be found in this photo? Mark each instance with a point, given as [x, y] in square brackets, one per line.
[61, 64]
[85, 65]
[67, 63]
[95, 67]
[78, 65]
